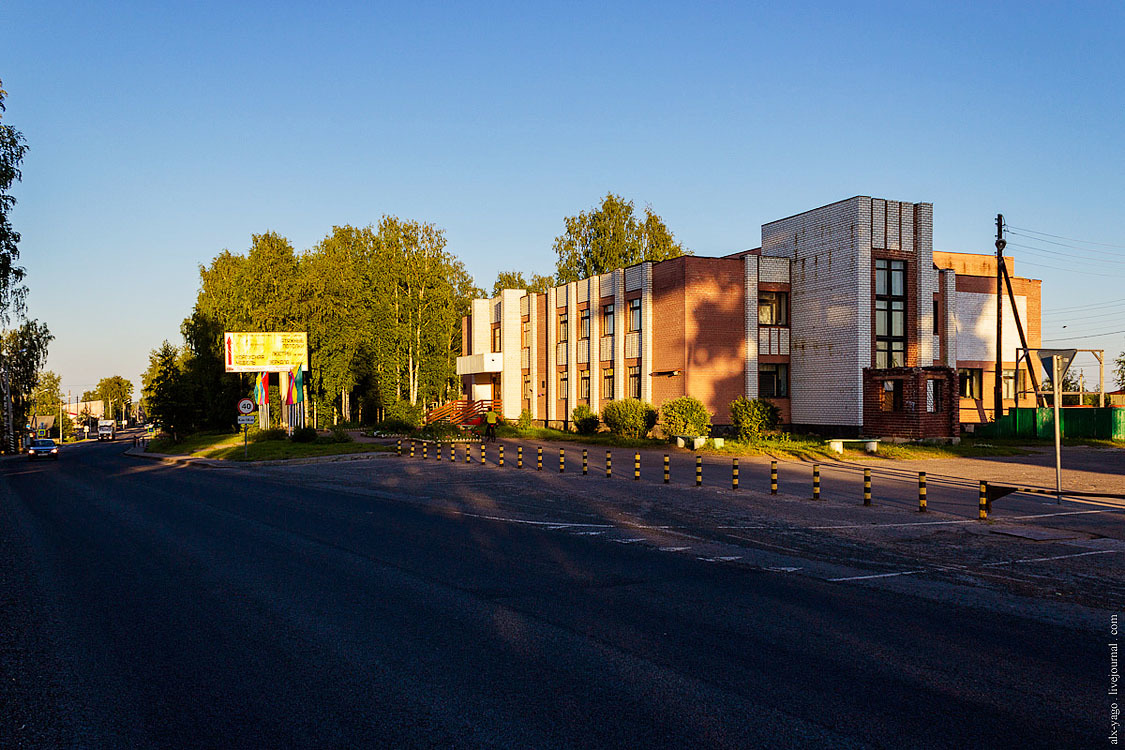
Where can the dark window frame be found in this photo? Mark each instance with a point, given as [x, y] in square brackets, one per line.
[584, 385]
[607, 320]
[970, 383]
[777, 375]
[607, 383]
[633, 384]
[775, 307]
[564, 327]
[890, 348]
[634, 315]
[496, 339]
[890, 399]
[584, 324]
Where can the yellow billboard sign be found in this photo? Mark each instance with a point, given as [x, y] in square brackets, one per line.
[265, 352]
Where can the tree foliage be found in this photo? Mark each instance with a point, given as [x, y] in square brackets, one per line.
[611, 236]
[1119, 370]
[382, 306]
[516, 280]
[12, 150]
[168, 397]
[116, 394]
[22, 354]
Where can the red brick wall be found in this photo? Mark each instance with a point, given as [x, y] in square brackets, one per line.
[913, 421]
[668, 329]
[540, 354]
[715, 332]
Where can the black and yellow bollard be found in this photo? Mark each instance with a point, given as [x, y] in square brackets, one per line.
[562, 460]
[452, 453]
[699, 471]
[734, 474]
[636, 467]
[482, 454]
[773, 477]
[608, 464]
[412, 449]
[867, 486]
[468, 450]
[665, 468]
[437, 450]
[519, 457]
[398, 446]
[921, 492]
[585, 464]
[501, 464]
[425, 451]
[539, 458]
[816, 481]
[983, 502]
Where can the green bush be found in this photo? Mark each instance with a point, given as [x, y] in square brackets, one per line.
[303, 435]
[751, 418]
[629, 418]
[685, 416]
[274, 433]
[524, 422]
[404, 414]
[585, 421]
[440, 430]
[339, 435]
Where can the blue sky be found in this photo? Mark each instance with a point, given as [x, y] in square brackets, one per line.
[161, 134]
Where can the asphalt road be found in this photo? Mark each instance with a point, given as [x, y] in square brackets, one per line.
[147, 605]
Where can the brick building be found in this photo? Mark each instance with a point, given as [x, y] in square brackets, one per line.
[845, 318]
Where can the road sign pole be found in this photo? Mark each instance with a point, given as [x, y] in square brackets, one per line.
[245, 449]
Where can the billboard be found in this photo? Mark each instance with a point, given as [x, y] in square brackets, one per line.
[265, 352]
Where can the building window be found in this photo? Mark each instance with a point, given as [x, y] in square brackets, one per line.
[971, 382]
[496, 339]
[584, 386]
[937, 326]
[562, 327]
[773, 380]
[773, 308]
[634, 382]
[891, 396]
[890, 313]
[562, 385]
[634, 315]
[607, 320]
[525, 334]
[607, 383]
[584, 324]
[935, 391]
[1012, 384]
[527, 394]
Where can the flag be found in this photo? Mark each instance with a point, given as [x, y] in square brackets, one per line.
[283, 383]
[262, 389]
[297, 385]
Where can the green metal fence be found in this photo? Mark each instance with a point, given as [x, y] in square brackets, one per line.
[1075, 422]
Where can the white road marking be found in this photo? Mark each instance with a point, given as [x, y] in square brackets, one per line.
[783, 569]
[1047, 559]
[588, 533]
[878, 575]
[674, 549]
[627, 541]
[725, 558]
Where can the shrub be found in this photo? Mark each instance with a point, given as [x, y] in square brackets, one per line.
[440, 430]
[585, 421]
[629, 418]
[750, 418]
[403, 415]
[274, 433]
[339, 435]
[685, 416]
[303, 435]
[524, 422]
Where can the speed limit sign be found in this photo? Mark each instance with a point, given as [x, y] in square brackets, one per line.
[245, 406]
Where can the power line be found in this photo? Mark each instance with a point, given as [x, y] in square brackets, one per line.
[1069, 239]
[1068, 256]
[1090, 336]
[1114, 303]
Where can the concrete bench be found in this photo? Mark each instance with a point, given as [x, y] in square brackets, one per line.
[837, 444]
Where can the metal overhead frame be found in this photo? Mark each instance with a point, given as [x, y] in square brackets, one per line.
[1025, 353]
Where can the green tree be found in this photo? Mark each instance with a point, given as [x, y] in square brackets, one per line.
[12, 150]
[116, 394]
[1119, 370]
[611, 236]
[516, 280]
[22, 355]
[165, 391]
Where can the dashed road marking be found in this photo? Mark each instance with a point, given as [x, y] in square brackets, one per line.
[1047, 559]
[877, 575]
[723, 558]
[673, 549]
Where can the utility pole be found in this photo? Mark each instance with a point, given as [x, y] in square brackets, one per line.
[998, 411]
